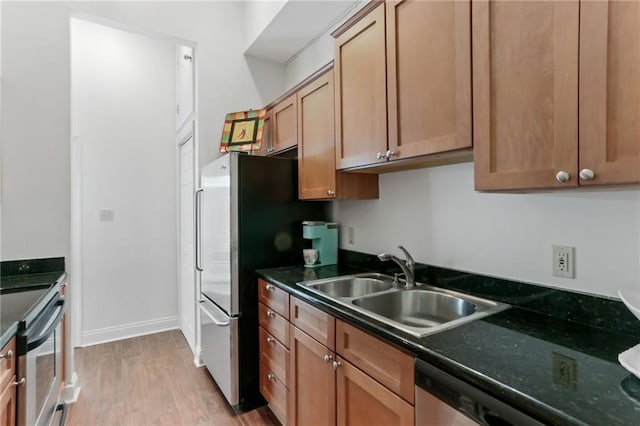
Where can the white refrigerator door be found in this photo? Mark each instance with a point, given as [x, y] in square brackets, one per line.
[218, 229]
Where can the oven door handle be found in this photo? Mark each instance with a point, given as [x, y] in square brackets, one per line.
[43, 337]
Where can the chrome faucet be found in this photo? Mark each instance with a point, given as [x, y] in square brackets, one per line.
[408, 265]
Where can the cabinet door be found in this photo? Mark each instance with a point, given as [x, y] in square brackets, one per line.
[8, 404]
[312, 382]
[428, 76]
[284, 118]
[610, 91]
[361, 99]
[525, 93]
[316, 136]
[363, 401]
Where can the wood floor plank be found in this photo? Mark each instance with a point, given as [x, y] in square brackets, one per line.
[151, 380]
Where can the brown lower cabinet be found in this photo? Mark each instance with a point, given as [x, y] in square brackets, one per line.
[7, 384]
[337, 374]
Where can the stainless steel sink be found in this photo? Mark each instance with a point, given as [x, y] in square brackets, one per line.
[353, 285]
[418, 308]
[419, 311]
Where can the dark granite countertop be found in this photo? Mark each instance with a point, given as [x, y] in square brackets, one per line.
[22, 285]
[511, 354]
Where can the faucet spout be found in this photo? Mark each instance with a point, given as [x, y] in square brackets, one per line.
[407, 265]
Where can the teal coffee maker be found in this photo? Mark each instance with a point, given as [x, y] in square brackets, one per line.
[324, 238]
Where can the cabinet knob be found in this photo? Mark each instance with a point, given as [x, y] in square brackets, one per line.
[587, 174]
[563, 176]
[380, 156]
[336, 364]
[20, 382]
[8, 355]
[271, 314]
[390, 154]
[270, 340]
[269, 287]
[327, 358]
[271, 376]
[330, 193]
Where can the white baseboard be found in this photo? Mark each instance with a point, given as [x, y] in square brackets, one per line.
[125, 331]
[71, 390]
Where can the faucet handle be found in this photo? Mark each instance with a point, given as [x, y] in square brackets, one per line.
[409, 260]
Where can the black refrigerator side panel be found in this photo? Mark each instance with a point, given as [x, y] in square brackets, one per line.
[269, 235]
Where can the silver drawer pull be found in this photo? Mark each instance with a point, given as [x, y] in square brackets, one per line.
[20, 382]
[270, 340]
[271, 314]
[327, 358]
[336, 364]
[8, 355]
[270, 287]
[271, 377]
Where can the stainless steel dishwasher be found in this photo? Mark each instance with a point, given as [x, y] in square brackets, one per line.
[444, 400]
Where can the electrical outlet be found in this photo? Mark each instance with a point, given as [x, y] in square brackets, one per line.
[564, 261]
[565, 371]
[350, 234]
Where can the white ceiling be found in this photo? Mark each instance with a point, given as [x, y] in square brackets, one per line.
[296, 25]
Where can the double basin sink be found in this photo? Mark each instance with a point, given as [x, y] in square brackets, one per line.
[420, 310]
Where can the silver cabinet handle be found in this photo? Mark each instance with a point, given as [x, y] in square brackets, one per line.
[380, 156]
[198, 242]
[269, 287]
[330, 193]
[8, 355]
[271, 376]
[327, 358]
[563, 176]
[586, 174]
[271, 314]
[336, 364]
[270, 340]
[20, 382]
[390, 154]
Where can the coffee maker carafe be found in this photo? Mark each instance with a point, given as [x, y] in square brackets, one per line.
[324, 238]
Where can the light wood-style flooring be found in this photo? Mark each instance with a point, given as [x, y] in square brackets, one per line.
[151, 380]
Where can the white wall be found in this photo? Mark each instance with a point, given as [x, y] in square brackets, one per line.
[123, 97]
[442, 221]
[35, 130]
[36, 101]
[258, 14]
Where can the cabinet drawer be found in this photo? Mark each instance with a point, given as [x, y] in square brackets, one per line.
[385, 363]
[274, 324]
[314, 322]
[274, 392]
[7, 362]
[275, 354]
[274, 298]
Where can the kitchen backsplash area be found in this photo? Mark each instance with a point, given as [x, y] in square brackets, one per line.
[436, 214]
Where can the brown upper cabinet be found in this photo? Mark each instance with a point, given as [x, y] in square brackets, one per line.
[537, 68]
[609, 92]
[415, 75]
[317, 175]
[284, 125]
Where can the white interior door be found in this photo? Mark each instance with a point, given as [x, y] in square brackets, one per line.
[187, 260]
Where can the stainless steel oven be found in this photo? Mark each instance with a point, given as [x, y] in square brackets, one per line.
[39, 368]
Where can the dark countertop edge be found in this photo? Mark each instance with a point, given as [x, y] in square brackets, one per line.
[485, 383]
[13, 328]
